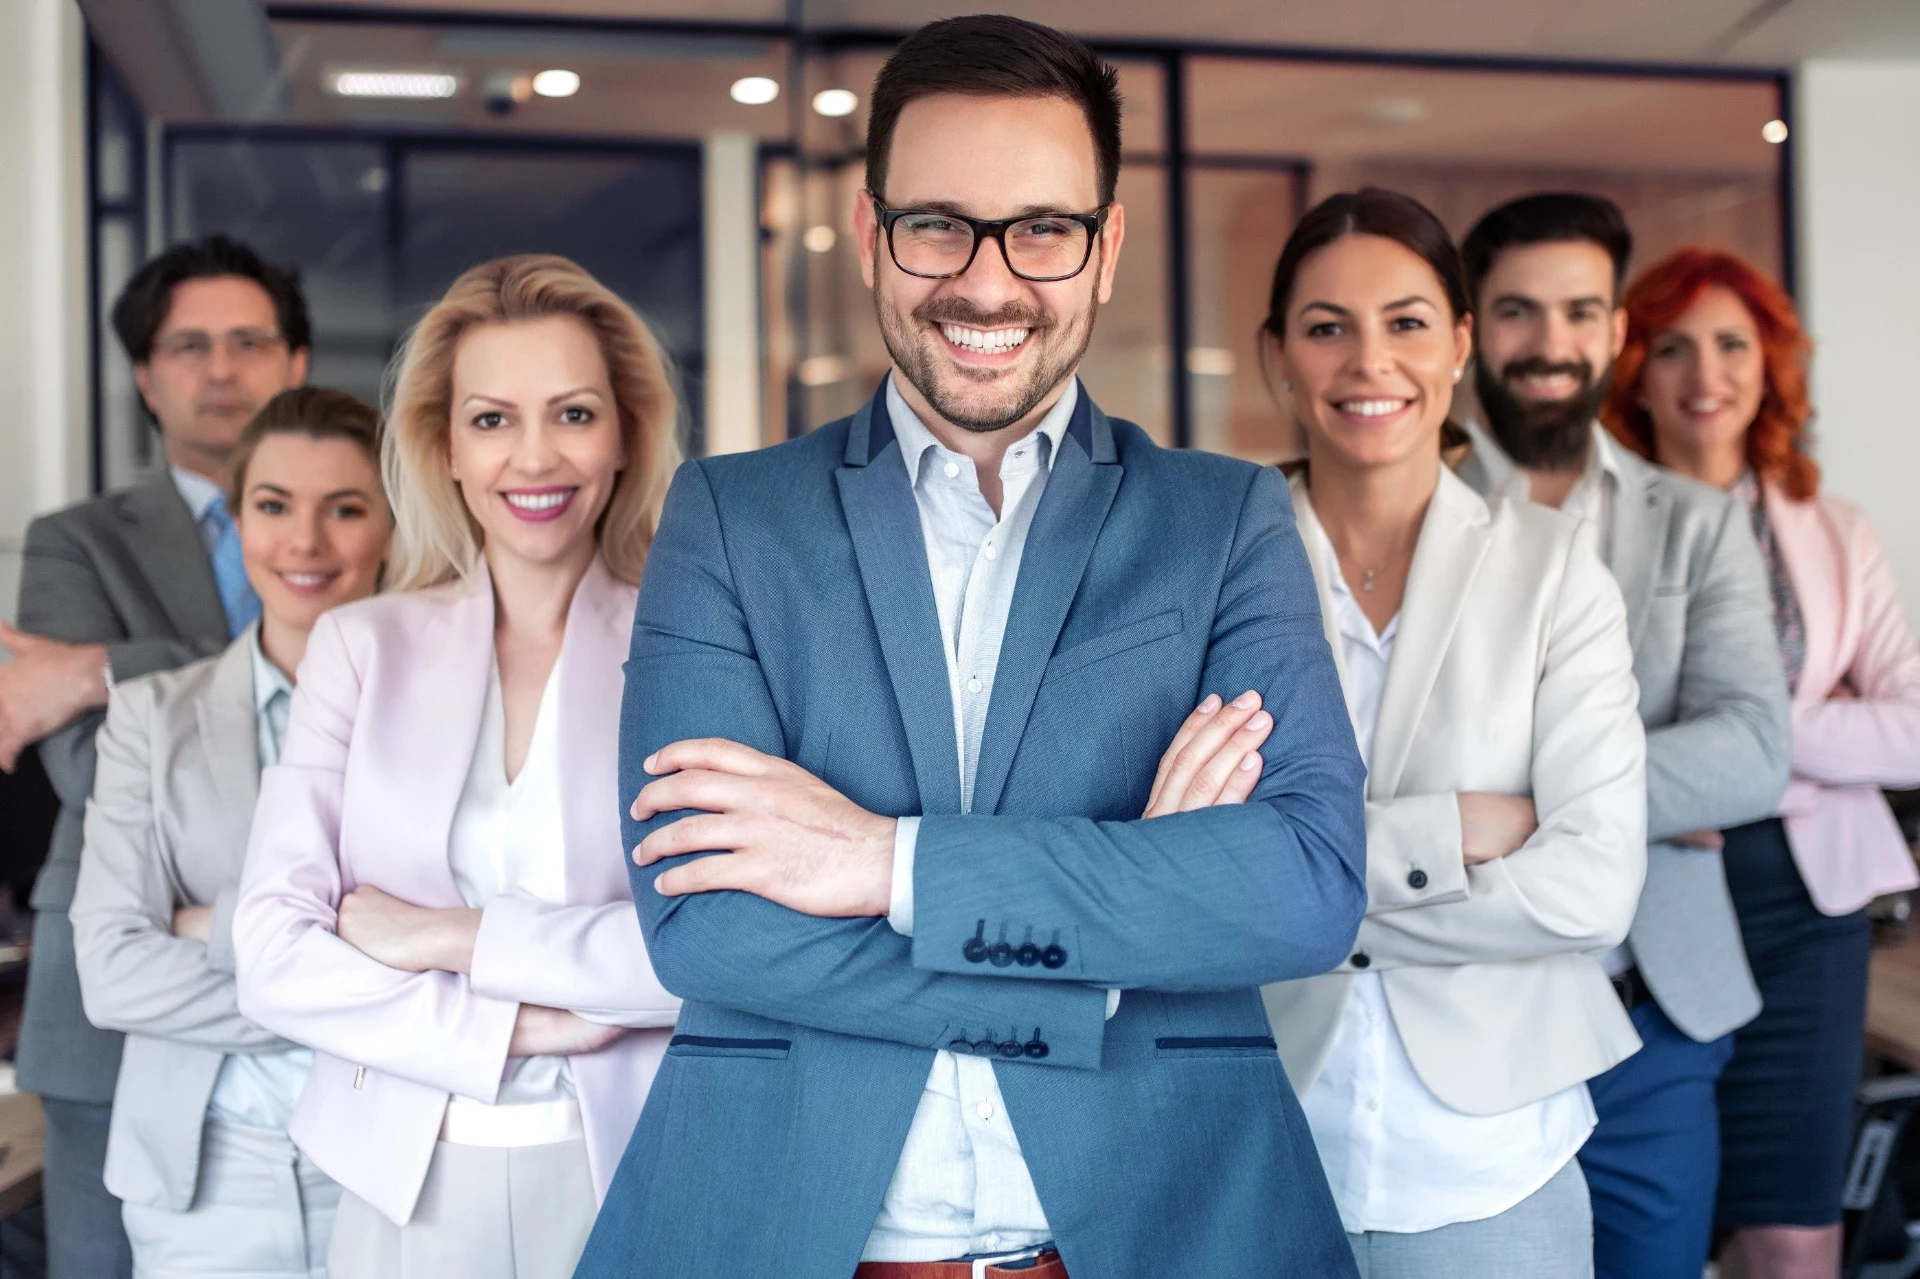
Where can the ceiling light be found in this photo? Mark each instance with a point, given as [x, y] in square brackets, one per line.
[557, 83]
[835, 102]
[1397, 110]
[819, 239]
[1774, 131]
[396, 84]
[824, 370]
[755, 91]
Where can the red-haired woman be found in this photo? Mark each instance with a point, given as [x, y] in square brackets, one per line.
[1712, 383]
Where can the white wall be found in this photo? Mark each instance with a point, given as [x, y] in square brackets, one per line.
[1858, 203]
[731, 166]
[43, 290]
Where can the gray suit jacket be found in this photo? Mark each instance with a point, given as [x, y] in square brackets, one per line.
[1719, 740]
[179, 770]
[128, 570]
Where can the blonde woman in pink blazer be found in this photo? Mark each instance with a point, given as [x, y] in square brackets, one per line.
[435, 898]
[1713, 384]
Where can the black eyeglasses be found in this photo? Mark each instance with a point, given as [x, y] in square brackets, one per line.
[938, 246]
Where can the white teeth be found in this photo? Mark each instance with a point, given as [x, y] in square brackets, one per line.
[1372, 408]
[537, 501]
[305, 580]
[987, 341]
[1702, 406]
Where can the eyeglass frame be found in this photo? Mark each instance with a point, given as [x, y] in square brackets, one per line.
[166, 348]
[992, 229]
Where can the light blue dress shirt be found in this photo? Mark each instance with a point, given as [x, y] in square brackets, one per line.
[221, 539]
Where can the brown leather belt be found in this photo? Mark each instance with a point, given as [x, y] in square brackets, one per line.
[1046, 1266]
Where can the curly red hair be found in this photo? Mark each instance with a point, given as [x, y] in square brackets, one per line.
[1660, 296]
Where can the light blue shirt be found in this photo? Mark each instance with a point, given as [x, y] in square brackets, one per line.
[199, 493]
[261, 1089]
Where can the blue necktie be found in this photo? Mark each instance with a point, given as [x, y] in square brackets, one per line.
[230, 570]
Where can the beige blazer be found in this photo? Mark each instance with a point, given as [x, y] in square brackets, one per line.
[1512, 673]
[178, 769]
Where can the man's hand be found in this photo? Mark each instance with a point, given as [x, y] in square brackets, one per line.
[46, 686]
[1493, 826]
[1214, 758]
[414, 939]
[194, 923]
[776, 831]
[539, 1031]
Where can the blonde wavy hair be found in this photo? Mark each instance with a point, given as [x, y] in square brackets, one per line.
[436, 539]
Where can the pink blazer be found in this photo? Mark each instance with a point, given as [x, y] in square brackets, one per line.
[382, 731]
[1845, 841]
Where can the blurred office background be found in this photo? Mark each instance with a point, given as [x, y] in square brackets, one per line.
[702, 159]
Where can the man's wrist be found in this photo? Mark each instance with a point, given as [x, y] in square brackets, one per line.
[91, 677]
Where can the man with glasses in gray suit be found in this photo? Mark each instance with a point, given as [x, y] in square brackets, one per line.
[143, 579]
[1546, 273]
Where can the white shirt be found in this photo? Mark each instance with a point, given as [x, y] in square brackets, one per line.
[261, 1088]
[962, 1186]
[1396, 1157]
[1591, 499]
[506, 837]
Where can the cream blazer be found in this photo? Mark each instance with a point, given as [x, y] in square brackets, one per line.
[1512, 673]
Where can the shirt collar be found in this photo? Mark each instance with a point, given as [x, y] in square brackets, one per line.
[197, 491]
[915, 439]
[1510, 481]
[269, 680]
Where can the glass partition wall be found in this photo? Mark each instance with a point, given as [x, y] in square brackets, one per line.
[381, 201]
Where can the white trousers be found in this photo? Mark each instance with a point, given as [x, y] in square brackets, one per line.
[261, 1210]
[485, 1212]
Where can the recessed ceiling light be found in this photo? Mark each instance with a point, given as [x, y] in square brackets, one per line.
[755, 90]
[835, 102]
[395, 84]
[557, 83]
[819, 239]
[1774, 131]
[1397, 110]
[824, 370]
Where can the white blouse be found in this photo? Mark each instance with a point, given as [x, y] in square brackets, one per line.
[507, 837]
[1397, 1157]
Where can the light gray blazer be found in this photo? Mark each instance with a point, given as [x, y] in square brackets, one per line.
[128, 570]
[166, 827]
[1719, 740]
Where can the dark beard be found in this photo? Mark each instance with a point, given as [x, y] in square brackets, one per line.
[1548, 436]
[913, 354]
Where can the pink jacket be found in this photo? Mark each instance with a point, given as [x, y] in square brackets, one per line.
[378, 745]
[1844, 837]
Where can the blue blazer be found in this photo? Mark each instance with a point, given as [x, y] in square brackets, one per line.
[787, 604]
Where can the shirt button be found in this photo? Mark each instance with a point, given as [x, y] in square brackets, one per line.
[1362, 960]
[1417, 880]
[984, 1110]
[973, 685]
[953, 470]
[990, 551]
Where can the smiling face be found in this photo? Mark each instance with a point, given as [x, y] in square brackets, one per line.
[535, 441]
[1371, 352]
[987, 350]
[1549, 332]
[313, 526]
[1704, 377]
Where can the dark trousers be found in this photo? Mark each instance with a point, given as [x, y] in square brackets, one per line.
[1654, 1157]
[85, 1239]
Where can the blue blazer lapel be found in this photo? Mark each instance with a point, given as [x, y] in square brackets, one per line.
[1080, 489]
[877, 499]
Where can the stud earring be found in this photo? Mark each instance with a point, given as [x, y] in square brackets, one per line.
[1457, 373]
[455, 472]
[1286, 386]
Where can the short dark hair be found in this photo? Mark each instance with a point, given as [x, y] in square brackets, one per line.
[1550, 217]
[1368, 211]
[142, 306]
[316, 412]
[991, 54]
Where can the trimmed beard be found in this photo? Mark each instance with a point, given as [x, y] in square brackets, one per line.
[913, 353]
[1550, 435]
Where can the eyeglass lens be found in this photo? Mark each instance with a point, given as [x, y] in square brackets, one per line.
[1040, 248]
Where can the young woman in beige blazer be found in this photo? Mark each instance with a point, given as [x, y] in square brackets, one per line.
[198, 1150]
[1483, 650]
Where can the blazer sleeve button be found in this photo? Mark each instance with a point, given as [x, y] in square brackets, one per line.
[1037, 1048]
[975, 949]
[1054, 956]
[1362, 960]
[1000, 954]
[1027, 956]
[1418, 879]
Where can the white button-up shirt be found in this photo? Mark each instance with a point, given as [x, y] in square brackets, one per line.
[1396, 1157]
[961, 1186]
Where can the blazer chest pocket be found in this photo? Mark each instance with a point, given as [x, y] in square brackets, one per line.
[1196, 1046]
[1116, 641]
[719, 1046]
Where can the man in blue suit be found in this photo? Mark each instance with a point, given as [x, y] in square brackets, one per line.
[895, 698]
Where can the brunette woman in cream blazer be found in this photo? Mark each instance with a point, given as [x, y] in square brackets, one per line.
[1483, 649]
[1712, 382]
[198, 1149]
[435, 897]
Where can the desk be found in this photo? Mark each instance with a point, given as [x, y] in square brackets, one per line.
[23, 1139]
[1893, 1002]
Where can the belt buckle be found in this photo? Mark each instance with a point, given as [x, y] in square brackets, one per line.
[980, 1264]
